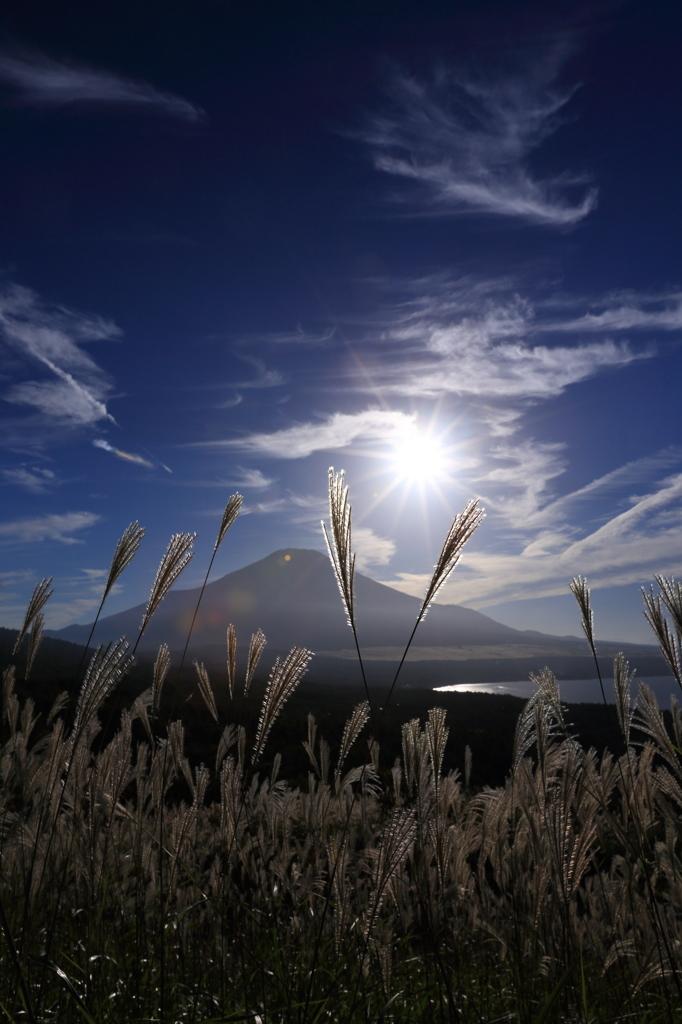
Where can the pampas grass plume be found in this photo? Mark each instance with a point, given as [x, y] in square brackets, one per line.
[39, 597]
[178, 555]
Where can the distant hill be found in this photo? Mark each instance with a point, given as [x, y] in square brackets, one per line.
[293, 597]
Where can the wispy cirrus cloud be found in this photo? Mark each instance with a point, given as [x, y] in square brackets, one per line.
[298, 336]
[49, 527]
[126, 456]
[483, 340]
[634, 537]
[265, 378]
[330, 434]
[36, 480]
[249, 478]
[72, 389]
[467, 141]
[371, 549]
[627, 312]
[42, 81]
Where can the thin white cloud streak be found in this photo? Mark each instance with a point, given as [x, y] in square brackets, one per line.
[335, 432]
[75, 391]
[470, 359]
[45, 82]
[49, 527]
[36, 480]
[627, 317]
[249, 478]
[528, 467]
[626, 550]
[126, 456]
[265, 379]
[298, 337]
[477, 340]
[468, 143]
[265, 507]
[632, 473]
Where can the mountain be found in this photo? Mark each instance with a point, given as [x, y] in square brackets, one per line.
[293, 597]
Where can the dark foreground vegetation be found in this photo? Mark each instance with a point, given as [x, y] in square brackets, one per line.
[174, 848]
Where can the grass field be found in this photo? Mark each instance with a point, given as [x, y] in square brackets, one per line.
[165, 860]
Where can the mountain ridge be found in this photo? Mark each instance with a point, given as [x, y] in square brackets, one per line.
[293, 597]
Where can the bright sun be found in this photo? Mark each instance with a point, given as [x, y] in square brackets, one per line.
[419, 457]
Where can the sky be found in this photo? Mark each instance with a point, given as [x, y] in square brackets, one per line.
[434, 244]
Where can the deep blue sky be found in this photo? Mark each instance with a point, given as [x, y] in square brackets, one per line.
[242, 242]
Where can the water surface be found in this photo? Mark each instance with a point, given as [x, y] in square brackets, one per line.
[573, 691]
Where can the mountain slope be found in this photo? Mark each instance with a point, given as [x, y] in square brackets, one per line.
[292, 596]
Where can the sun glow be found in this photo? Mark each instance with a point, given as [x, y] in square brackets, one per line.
[419, 457]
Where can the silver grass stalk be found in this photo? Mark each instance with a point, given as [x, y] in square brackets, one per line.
[35, 636]
[342, 558]
[622, 679]
[60, 702]
[437, 736]
[580, 590]
[671, 592]
[339, 545]
[123, 555]
[468, 759]
[231, 657]
[107, 666]
[177, 557]
[653, 612]
[397, 839]
[256, 648]
[231, 512]
[161, 669]
[549, 695]
[463, 525]
[227, 741]
[229, 515]
[649, 719]
[8, 680]
[206, 689]
[283, 680]
[352, 729]
[38, 599]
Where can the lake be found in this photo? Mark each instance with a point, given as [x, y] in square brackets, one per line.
[573, 691]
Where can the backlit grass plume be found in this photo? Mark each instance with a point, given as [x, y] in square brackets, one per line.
[342, 557]
[670, 647]
[178, 555]
[206, 689]
[580, 590]
[352, 729]
[124, 553]
[398, 837]
[671, 594]
[622, 681]
[35, 636]
[339, 545]
[161, 669]
[230, 513]
[256, 648]
[284, 679]
[106, 668]
[231, 657]
[463, 525]
[39, 597]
